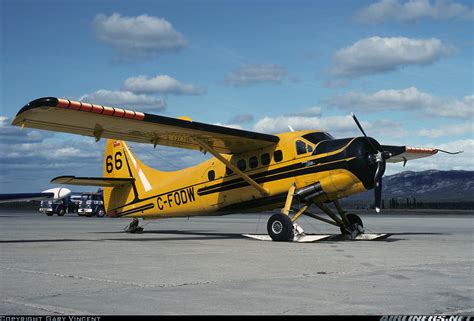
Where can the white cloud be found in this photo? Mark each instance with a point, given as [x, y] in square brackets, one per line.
[385, 131]
[127, 99]
[28, 164]
[141, 36]
[35, 162]
[13, 135]
[405, 99]
[413, 10]
[253, 74]
[448, 130]
[160, 84]
[333, 124]
[377, 55]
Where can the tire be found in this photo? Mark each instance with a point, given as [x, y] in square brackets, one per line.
[280, 228]
[61, 211]
[100, 212]
[49, 213]
[353, 219]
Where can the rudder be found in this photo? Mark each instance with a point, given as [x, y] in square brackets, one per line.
[120, 162]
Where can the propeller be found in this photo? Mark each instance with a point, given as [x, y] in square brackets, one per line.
[380, 158]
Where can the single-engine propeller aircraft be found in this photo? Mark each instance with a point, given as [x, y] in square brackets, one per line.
[249, 172]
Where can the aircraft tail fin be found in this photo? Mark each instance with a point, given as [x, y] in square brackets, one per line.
[121, 163]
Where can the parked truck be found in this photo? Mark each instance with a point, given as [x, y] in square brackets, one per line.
[92, 204]
[59, 206]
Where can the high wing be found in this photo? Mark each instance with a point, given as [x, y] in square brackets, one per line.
[406, 153]
[98, 121]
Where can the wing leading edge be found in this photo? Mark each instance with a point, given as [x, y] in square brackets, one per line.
[99, 121]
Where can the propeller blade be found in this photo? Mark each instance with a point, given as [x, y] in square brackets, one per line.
[363, 132]
[358, 124]
[378, 185]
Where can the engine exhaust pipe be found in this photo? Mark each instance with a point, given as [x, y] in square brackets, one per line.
[309, 192]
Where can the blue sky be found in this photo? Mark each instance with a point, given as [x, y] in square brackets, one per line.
[404, 67]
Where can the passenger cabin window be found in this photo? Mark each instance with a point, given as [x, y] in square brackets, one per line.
[300, 147]
[211, 175]
[265, 159]
[241, 164]
[253, 162]
[228, 171]
[310, 148]
[278, 156]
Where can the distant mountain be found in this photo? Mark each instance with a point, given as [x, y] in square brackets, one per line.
[431, 185]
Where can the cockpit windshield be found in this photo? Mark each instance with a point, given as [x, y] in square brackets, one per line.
[317, 137]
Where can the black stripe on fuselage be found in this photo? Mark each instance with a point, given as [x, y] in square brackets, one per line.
[138, 209]
[340, 164]
[271, 175]
[301, 168]
[262, 177]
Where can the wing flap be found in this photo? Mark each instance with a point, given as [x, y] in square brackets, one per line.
[93, 181]
[121, 124]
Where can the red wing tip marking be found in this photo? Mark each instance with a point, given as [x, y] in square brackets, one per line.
[74, 105]
[421, 150]
[98, 109]
[86, 107]
[62, 103]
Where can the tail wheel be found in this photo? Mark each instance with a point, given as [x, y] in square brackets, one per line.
[101, 212]
[355, 222]
[61, 211]
[280, 228]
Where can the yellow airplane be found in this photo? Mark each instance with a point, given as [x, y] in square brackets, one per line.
[249, 171]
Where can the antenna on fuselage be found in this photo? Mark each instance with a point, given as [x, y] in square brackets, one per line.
[291, 128]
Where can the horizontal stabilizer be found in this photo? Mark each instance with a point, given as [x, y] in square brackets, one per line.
[93, 181]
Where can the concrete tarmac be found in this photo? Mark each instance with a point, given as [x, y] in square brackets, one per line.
[79, 265]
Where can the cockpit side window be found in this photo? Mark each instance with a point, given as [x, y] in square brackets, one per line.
[331, 145]
[317, 137]
[300, 147]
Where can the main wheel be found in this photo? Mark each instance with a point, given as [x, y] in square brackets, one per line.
[280, 228]
[49, 213]
[100, 212]
[61, 211]
[354, 222]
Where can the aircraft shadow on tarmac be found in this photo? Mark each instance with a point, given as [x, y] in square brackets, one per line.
[191, 236]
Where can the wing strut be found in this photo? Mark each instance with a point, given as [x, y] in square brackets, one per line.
[234, 168]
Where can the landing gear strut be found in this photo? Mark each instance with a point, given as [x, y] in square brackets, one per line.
[282, 227]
